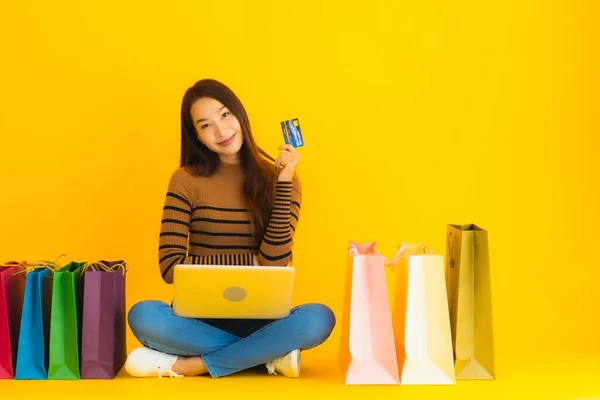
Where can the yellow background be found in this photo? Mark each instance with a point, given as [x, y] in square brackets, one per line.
[416, 114]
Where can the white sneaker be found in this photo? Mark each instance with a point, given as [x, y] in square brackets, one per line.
[288, 365]
[147, 363]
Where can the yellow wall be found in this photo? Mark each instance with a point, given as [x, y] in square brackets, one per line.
[415, 114]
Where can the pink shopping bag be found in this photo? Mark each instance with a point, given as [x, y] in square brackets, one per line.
[367, 351]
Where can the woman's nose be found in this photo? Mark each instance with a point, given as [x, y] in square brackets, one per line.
[219, 131]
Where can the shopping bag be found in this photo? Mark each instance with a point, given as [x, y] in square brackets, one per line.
[470, 301]
[367, 352]
[32, 352]
[103, 348]
[12, 286]
[421, 321]
[65, 322]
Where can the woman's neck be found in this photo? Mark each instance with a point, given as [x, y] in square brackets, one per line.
[230, 158]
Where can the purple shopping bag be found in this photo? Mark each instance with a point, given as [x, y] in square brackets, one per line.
[103, 343]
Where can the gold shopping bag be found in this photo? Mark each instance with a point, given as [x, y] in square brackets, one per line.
[470, 301]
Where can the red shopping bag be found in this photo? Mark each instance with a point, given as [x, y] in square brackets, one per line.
[12, 287]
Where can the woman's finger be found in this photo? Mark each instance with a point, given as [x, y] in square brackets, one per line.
[287, 147]
[294, 156]
[288, 159]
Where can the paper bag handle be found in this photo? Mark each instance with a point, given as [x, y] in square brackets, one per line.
[26, 267]
[99, 265]
[405, 250]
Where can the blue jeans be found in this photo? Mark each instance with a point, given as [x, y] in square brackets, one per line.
[224, 353]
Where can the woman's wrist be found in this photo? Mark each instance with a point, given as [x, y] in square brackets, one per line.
[284, 178]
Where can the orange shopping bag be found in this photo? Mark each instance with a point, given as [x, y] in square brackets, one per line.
[367, 352]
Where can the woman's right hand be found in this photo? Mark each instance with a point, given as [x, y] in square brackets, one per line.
[288, 161]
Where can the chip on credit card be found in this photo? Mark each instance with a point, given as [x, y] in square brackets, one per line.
[292, 134]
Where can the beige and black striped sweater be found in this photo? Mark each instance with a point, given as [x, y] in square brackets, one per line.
[205, 221]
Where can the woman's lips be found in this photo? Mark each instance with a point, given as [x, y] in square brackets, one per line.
[227, 142]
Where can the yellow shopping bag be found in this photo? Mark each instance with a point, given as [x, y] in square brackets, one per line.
[470, 301]
[421, 320]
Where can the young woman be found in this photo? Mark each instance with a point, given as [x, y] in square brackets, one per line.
[228, 204]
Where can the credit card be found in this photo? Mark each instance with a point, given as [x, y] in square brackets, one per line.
[292, 134]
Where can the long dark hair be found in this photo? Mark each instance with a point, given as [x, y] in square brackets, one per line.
[256, 164]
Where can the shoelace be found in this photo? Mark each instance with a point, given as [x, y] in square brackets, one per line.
[160, 369]
[271, 368]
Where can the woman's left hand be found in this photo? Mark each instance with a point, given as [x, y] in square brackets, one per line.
[288, 161]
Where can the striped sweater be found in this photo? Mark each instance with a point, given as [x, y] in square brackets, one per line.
[205, 221]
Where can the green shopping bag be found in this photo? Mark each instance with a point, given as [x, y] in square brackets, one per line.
[65, 322]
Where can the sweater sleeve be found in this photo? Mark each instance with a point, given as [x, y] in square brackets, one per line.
[276, 247]
[175, 230]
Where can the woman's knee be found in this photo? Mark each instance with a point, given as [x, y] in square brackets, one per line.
[316, 324]
[144, 317]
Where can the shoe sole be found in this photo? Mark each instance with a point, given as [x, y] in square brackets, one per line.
[298, 363]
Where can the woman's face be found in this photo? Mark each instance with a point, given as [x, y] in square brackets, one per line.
[217, 128]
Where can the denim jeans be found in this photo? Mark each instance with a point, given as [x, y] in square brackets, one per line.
[225, 353]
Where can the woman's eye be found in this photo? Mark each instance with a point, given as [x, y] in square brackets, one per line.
[225, 114]
[204, 126]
